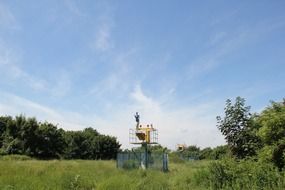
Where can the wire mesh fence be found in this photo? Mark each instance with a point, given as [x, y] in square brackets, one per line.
[132, 160]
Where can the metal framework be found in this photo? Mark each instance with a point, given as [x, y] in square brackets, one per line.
[143, 136]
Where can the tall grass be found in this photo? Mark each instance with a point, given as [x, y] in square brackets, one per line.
[79, 174]
[103, 175]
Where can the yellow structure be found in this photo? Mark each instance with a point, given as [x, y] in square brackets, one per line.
[181, 147]
[144, 133]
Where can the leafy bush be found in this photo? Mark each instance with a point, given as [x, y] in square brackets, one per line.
[244, 174]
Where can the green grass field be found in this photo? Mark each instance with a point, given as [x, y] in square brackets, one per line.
[81, 174]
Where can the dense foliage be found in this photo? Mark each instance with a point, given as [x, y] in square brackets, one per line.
[271, 131]
[239, 129]
[245, 174]
[194, 152]
[27, 136]
[255, 135]
[257, 149]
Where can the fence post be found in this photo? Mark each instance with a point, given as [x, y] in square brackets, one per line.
[165, 162]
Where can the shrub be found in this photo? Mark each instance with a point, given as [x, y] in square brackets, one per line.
[244, 174]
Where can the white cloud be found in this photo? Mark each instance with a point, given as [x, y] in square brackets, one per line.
[144, 103]
[190, 125]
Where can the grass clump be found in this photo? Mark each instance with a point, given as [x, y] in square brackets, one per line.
[15, 157]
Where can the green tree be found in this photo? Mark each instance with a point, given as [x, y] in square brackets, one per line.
[89, 144]
[12, 142]
[3, 127]
[29, 136]
[50, 141]
[272, 133]
[238, 128]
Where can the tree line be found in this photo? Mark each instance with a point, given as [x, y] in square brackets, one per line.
[27, 136]
[194, 152]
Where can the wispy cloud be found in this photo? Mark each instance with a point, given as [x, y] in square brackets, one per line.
[11, 104]
[11, 71]
[62, 85]
[118, 81]
[103, 32]
[73, 7]
[223, 45]
[7, 18]
[103, 38]
[9, 57]
[213, 58]
[18, 105]
[224, 17]
[217, 38]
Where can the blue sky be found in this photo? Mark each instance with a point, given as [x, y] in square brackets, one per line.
[95, 63]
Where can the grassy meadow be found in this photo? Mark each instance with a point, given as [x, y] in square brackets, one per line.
[23, 173]
[82, 174]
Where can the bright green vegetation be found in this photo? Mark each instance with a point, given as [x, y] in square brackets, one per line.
[259, 136]
[87, 174]
[27, 136]
[253, 159]
[84, 174]
[231, 174]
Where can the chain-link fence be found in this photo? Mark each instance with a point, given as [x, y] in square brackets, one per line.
[130, 160]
